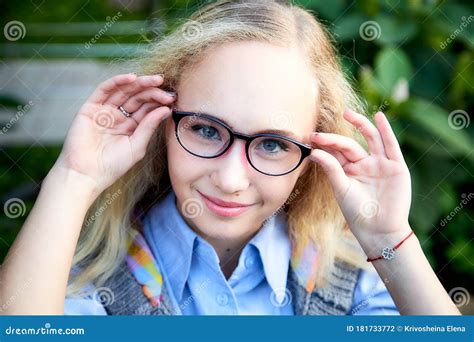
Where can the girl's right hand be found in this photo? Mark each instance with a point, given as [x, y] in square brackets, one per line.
[102, 143]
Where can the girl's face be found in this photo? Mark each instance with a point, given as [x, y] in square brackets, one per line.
[253, 87]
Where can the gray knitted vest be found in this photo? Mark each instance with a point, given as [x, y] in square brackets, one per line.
[334, 299]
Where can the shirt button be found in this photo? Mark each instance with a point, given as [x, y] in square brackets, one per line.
[249, 262]
[222, 299]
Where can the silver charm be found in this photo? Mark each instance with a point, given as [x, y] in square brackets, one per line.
[388, 253]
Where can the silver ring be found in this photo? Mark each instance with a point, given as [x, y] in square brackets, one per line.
[127, 114]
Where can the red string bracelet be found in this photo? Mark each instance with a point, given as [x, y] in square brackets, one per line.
[389, 252]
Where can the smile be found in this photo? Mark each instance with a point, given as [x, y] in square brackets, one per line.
[223, 208]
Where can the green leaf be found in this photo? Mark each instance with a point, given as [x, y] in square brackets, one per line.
[461, 86]
[448, 196]
[435, 120]
[424, 211]
[369, 86]
[460, 253]
[391, 64]
[430, 80]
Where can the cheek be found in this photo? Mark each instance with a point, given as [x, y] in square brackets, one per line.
[281, 188]
[181, 164]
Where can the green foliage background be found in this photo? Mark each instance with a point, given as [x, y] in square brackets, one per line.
[426, 45]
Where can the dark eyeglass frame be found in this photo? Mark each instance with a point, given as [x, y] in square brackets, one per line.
[177, 115]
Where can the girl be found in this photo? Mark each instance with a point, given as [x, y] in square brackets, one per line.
[247, 192]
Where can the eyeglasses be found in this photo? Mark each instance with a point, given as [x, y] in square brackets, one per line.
[205, 136]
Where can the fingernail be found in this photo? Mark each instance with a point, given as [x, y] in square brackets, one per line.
[162, 75]
[171, 93]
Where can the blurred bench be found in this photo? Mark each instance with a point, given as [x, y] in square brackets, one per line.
[48, 82]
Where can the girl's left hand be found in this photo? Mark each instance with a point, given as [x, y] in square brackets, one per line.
[373, 188]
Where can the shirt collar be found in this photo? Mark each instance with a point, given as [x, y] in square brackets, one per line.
[274, 248]
[174, 241]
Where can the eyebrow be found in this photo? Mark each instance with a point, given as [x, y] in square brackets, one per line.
[271, 131]
[280, 132]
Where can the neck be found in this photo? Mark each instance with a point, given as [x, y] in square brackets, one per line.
[229, 252]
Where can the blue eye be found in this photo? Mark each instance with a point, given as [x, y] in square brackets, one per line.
[273, 146]
[206, 132]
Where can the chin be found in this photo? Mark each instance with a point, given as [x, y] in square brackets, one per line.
[223, 229]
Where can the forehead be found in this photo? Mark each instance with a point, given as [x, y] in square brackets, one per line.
[253, 86]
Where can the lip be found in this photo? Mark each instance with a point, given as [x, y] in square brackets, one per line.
[225, 203]
[223, 208]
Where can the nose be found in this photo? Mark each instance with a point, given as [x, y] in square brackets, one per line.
[231, 174]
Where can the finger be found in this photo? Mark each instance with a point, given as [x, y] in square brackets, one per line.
[149, 95]
[106, 88]
[337, 154]
[144, 110]
[128, 125]
[390, 142]
[332, 168]
[141, 83]
[368, 130]
[347, 146]
[140, 138]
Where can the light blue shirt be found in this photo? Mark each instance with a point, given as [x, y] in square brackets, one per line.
[257, 285]
[191, 271]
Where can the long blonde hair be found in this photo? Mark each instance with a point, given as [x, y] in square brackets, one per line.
[313, 214]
